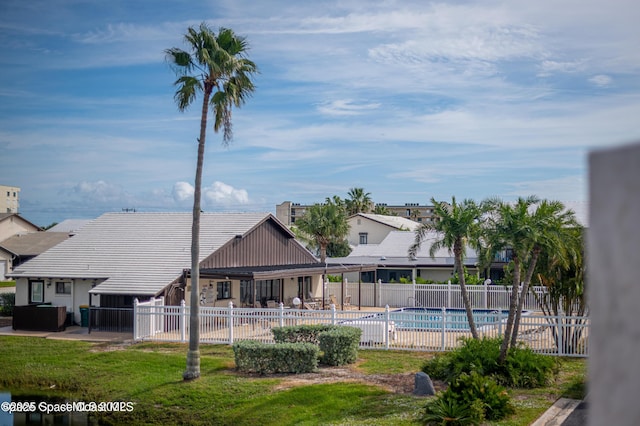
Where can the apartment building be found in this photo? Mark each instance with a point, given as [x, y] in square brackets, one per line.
[287, 212]
[9, 199]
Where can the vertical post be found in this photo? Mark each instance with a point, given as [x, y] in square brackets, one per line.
[414, 293]
[448, 294]
[486, 295]
[443, 331]
[499, 322]
[182, 318]
[560, 328]
[135, 319]
[376, 292]
[230, 323]
[281, 317]
[333, 314]
[386, 326]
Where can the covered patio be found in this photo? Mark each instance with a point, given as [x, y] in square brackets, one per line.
[268, 286]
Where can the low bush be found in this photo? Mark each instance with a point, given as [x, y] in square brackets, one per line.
[7, 302]
[469, 400]
[522, 368]
[340, 345]
[255, 357]
[307, 333]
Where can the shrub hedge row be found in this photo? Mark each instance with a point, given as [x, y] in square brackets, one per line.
[297, 349]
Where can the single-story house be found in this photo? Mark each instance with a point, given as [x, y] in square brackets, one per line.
[391, 260]
[121, 256]
[369, 228]
[16, 250]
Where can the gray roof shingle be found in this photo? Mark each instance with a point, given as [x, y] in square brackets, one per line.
[137, 253]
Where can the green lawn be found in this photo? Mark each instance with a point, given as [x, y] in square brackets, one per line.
[151, 376]
[7, 284]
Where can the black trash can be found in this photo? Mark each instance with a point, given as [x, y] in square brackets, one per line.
[84, 316]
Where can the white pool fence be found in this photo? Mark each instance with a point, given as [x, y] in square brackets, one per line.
[416, 329]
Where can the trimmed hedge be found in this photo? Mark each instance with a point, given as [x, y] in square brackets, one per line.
[307, 333]
[340, 345]
[262, 358]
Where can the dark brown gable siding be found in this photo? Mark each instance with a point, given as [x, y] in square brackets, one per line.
[265, 245]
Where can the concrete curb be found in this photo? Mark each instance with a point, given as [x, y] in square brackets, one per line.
[557, 413]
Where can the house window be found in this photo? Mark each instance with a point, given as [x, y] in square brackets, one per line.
[36, 291]
[304, 287]
[408, 212]
[63, 287]
[363, 237]
[224, 290]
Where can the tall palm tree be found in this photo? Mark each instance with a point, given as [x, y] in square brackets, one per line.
[216, 66]
[549, 227]
[324, 223]
[457, 227]
[358, 201]
[530, 227]
[507, 227]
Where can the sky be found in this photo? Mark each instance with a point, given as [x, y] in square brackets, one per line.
[407, 99]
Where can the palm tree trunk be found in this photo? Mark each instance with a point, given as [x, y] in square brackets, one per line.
[193, 354]
[457, 251]
[504, 348]
[523, 294]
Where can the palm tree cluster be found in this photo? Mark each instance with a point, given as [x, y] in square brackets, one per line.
[532, 229]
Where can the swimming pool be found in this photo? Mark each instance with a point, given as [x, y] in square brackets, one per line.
[453, 318]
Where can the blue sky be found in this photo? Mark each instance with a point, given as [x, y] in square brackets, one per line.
[407, 99]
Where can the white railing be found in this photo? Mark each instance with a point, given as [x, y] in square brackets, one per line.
[429, 295]
[417, 329]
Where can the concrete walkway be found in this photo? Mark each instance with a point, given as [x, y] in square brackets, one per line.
[565, 412]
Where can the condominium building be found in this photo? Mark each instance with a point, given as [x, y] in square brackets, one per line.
[9, 199]
[287, 212]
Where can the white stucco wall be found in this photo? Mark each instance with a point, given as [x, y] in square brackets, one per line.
[376, 232]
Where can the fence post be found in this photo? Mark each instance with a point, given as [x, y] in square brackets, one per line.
[333, 314]
[230, 322]
[414, 293]
[486, 295]
[376, 300]
[443, 332]
[448, 294]
[386, 326]
[182, 318]
[560, 328]
[281, 317]
[135, 319]
[500, 323]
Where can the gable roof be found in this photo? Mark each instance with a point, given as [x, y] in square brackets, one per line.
[34, 243]
[69, 225]
[137, 253]
[396, 222]
[393, 250]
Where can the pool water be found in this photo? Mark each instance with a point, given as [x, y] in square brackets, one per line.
[455, 319]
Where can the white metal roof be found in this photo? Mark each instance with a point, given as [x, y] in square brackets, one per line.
[397, 222]
[137, 253]
[394, 249]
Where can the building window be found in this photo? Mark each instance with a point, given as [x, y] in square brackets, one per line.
[363, 237]
[224, 290]
[63, 287]
[408, 212]
[36, 292]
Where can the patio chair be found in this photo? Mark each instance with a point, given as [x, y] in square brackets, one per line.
[333, 300]
[271, 304]
[347, 302]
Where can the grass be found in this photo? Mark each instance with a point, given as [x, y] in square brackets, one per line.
[150, 375]
[7, 284]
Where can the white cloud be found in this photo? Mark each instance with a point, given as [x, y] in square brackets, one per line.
[227, 195]
[182, 191]
[100, 192]
[601, 80]
[346, 107]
